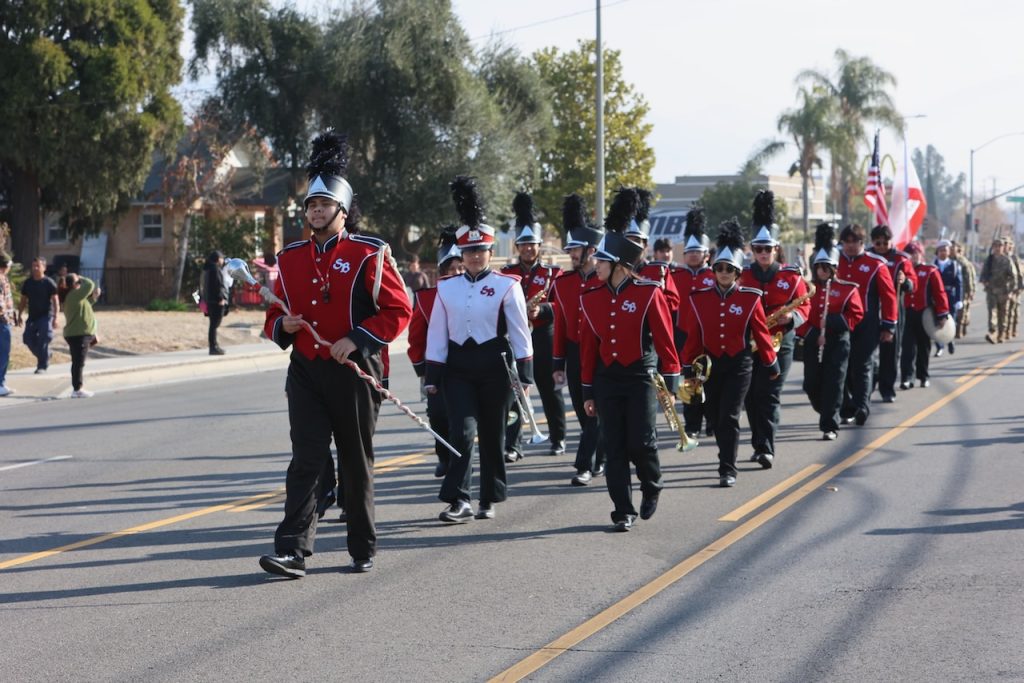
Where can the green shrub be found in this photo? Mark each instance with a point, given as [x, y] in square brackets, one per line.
[167, 305]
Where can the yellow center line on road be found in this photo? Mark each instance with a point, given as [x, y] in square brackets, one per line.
[250, 503]
[972, 373]
[562, 644]
[754, 503]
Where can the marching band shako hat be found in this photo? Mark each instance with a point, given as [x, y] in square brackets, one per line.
[447, 247]
[615, 247]
[913, 247]
[328, 161]
[472, 234]
[640, 226]
[574, 222]
[621, 216]
[730, 245]
[943, 243]
[693, 232]
[528, 230]
[825, 250]
[765, 229]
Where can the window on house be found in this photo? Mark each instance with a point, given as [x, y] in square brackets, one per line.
[55, 232]
[151, 227]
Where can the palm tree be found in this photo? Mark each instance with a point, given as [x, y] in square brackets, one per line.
[859, 92]
[811, 128]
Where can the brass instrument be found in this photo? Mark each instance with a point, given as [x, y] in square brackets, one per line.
[691, 388]
[773, 319]
[824, 319]
[539, 297]
[525, 407]
[668, 406]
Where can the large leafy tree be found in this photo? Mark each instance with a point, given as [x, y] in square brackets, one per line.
[859, 90]
[943, 192]
[569, 161]
[85, 101]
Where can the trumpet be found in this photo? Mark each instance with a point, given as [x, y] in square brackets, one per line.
[773, 319]
[525, 407]
[691, 388]
[668, 406]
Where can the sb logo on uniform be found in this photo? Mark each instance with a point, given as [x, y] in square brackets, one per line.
[629, 306]
[539, 280]
[487, 291]
[864, 268]
[782, 284]
[735, 310]
[342, 266]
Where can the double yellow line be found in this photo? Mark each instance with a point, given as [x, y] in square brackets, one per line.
[541, 657]
[243, 505]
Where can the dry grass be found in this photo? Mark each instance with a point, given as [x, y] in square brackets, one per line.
[124, 331]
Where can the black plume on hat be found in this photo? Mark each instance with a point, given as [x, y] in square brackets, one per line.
[467, 201]
[447, 237]
[623, 209]
[329, 155]
[695, 220]
[824, 236]
[764, 209]
[643, 209]
[574, 212]
[522, 205]
[730, 235]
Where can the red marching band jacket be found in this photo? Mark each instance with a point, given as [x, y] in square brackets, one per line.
[569, 287]
[930, 291]
[899, 262]
[365, 297]
[786, 285]
[844, 303]
[423, 305]
[613, 327]
[539, 278]
[722, 324]
[687, 281]
[870, 273]
[661, 272]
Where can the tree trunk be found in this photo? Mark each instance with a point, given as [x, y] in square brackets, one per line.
[179, 270]
[26, 223]
[807, 204]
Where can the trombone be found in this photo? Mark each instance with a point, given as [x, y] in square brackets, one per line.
[523, 402]
[668, 406]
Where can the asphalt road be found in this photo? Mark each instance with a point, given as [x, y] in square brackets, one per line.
[894, 553]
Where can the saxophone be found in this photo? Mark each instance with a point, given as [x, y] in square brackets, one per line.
[773, 319]
[668, 406]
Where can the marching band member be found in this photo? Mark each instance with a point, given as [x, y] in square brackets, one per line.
[569, 287]
[659, 271]
[878, 295]
[901, 270]
[721, 323]
[694, 274]
[930, 293]
[347, 287]
[625, 334]
[835, 310]
[952, 280]
[536, 280]
[780, 286]
[449, 262]
[475, 319]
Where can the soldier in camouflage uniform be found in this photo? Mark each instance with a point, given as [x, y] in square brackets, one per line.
[970, 280]
[1014, 306]
[998, 276]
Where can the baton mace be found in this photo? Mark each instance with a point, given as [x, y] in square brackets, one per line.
[238, 268]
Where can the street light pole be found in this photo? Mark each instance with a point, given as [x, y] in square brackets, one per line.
[599, 203]
[970, 201]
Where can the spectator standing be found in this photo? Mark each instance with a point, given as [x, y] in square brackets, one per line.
[39, 296]
[79, 327]
[8, 319]
[216, 293]
[414, 278]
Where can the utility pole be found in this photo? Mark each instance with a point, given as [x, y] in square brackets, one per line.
[599, 203]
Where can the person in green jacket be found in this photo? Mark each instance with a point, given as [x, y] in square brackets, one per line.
[80, 327]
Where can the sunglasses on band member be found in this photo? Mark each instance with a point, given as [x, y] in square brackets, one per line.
[762, 248]
[723, 268]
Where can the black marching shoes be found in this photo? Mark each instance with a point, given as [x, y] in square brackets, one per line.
[291, 565]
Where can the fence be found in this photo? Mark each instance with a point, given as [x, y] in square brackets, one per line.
[131, 286]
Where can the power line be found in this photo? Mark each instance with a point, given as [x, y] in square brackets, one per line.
[546, 21]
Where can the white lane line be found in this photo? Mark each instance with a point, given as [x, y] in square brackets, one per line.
[35, 462]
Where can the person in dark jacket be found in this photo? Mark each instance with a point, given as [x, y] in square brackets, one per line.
[216, 296]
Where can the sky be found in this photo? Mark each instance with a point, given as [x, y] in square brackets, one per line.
[717, 73]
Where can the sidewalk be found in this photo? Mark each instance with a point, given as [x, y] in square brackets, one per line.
[129, 372]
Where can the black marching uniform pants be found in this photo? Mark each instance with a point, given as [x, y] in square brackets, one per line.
[726, 390]
[765, 397]
[326, 399]
[437, 416]
[917, 346]
[693, 413]
[863, 344]
[823, 380]
[590, 451]
[627, 409]
[550, 397]
[889, 357]
[477, 398]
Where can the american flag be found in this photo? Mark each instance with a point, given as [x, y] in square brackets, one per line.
[874, 191]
